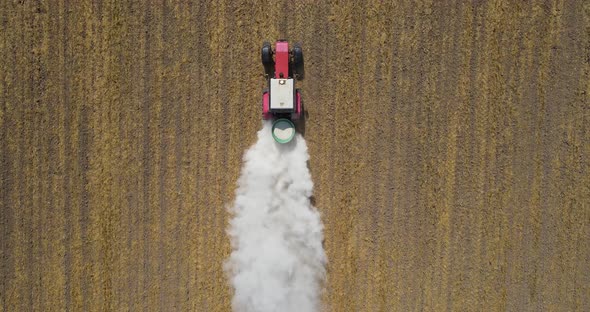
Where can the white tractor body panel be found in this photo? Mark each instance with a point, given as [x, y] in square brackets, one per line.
[282, 95]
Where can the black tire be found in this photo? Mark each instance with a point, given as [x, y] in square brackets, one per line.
[298, 66]
[267, 61]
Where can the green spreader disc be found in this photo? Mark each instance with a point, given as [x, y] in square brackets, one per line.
[283, 130]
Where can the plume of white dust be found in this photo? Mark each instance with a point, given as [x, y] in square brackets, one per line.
[277, 261]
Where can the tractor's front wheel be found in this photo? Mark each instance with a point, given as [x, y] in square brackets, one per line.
[298, 67]
[267, 60]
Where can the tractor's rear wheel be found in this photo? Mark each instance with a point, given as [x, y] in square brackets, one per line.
[267, 60]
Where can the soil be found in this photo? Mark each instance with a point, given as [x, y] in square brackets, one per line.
[449, 146]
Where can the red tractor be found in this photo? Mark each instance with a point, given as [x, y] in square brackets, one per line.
[281, 102]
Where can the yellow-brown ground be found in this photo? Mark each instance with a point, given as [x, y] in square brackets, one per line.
[449, 143]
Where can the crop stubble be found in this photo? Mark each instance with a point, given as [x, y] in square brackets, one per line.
[448, 141]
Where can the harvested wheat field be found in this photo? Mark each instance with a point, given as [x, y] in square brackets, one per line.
[449, 146]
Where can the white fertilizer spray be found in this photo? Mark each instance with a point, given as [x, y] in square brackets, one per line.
[277, 261]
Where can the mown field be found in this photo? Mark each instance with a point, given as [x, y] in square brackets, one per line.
[449, 143]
